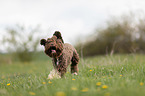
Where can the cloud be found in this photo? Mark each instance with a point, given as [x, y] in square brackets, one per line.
[72, 17]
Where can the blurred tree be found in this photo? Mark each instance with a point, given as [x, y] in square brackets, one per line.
[123, 35]
[22, 42]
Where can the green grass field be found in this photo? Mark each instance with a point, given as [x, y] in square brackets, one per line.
[118, 75]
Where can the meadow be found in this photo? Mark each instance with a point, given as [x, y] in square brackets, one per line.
[117, 75]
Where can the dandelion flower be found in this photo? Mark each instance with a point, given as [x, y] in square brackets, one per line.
[43, 82]
[49, 82]
[98, 83]
[121, 75]
[3, 77]
[15, 75]
[90, 70]
[73, 79]
[107, 94]
[32, 93]
[141, 83]
[74, 88]
[8, 84]
[60, 94]
[104, 86]
[85, 90]
[103, 76]
[109, 77]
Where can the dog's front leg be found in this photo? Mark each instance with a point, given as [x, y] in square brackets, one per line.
[62, 67]
[54, 73]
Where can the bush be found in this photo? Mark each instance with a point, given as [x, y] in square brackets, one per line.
[21, 42]
[123, 35]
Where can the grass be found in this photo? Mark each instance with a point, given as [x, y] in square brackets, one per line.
[118, 75]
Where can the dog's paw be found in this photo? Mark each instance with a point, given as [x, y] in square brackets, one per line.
[50, 76]
[75, 73]
[53, 74]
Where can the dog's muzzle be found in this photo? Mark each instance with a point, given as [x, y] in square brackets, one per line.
[53, 49]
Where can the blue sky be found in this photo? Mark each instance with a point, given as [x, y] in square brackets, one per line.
[73, 18]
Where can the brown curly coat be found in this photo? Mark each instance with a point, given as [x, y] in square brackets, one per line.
[62, 54]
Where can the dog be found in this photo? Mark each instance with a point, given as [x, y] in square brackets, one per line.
[62, 54]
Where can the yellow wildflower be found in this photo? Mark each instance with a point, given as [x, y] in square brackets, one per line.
[43, 82]
[49, 82]
[98, 83]
[60, 94]
[90, 70]
[107, 94]
[121, 75]
[8, 84]
[32, 93]
[15, 75]
[73, 79]
[74, 88]
[141, 83]
[85, 90]
[103, 76]
[104, 86]
[3, 77]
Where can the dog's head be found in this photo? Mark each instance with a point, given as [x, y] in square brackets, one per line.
[54, 45]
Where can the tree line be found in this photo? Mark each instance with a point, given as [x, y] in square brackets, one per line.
[121, 35]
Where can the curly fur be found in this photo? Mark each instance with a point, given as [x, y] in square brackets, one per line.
[62, 54]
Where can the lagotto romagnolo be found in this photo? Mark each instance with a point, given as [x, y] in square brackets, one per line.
[62, 54]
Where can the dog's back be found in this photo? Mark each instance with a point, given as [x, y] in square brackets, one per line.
[68, 52]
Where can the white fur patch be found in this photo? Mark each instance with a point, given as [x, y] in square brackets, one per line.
[75, 73]
[57, 62]
[53, 74]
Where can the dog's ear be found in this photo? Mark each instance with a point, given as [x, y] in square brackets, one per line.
[42, 42]
[58, 35]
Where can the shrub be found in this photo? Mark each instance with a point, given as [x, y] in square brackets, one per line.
[123, 35]
[21, 42]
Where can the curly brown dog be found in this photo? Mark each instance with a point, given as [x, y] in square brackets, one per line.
[62, 54]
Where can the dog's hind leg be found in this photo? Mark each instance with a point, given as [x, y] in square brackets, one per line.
[75, 61]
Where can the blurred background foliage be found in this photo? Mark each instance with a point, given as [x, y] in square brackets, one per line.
[20, 43]
[125, 34]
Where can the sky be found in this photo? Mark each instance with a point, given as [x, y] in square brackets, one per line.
[73, 18]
